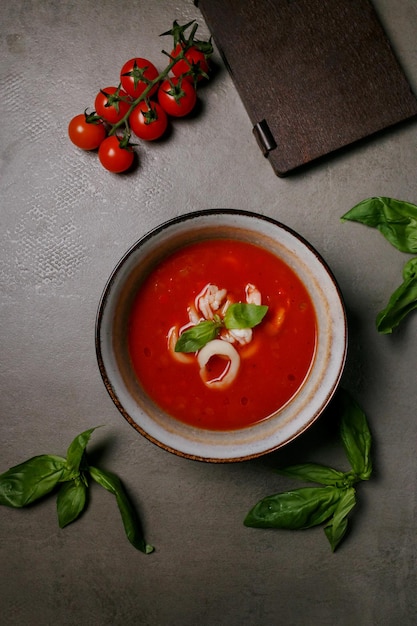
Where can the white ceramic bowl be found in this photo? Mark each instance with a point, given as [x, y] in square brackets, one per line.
[287, 423]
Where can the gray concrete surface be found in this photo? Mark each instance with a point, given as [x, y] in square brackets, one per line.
[65, 222]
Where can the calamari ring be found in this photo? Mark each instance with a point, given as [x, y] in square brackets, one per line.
[218, 347]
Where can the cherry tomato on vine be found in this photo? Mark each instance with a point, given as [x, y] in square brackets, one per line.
[134, 76]
[109, 106]
[148, 120]
[113, 156]
[177, 96]
[194, 58]
[85, 134]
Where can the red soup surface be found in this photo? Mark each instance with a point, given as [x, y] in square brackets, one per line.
[273, 365]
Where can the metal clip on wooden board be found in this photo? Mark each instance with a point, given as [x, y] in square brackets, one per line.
[264, 137]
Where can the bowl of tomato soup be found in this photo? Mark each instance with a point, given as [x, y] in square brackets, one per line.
[221, 335]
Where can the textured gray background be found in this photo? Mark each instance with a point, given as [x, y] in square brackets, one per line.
[65, 222]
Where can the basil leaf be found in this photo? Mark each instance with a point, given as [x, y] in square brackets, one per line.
[315, 473]
[356, 436]
[71, 500]
[395, 219]
[242, 315]
[23, 484]
[401, 302]
[197, 336]
[335, 530]
[298, 509]
[131, 524]
[77, 448]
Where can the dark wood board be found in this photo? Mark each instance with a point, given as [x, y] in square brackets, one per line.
[314, 75]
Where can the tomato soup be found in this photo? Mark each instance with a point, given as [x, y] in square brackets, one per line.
[274, 361]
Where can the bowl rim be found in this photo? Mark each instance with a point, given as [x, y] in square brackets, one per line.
[185, 217]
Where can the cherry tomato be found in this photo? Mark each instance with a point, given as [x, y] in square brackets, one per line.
[194, 59]
[109, 106]
[84, 134]
[177, 96]
[148, 120]
[132, 74]
[113, 157]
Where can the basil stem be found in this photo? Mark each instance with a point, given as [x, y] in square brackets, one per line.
[410, 269]
[71, 501]
[297, 509]
[336, 528]
[356, 436]
[25, 483]
[130, 522]
[401, 302]
[395, 219]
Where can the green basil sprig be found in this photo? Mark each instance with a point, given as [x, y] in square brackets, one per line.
[238, 315]
[37, 477]
[397, 221]
[331, 503]
[197, 336]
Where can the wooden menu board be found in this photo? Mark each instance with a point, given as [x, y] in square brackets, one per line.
[314, 75]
